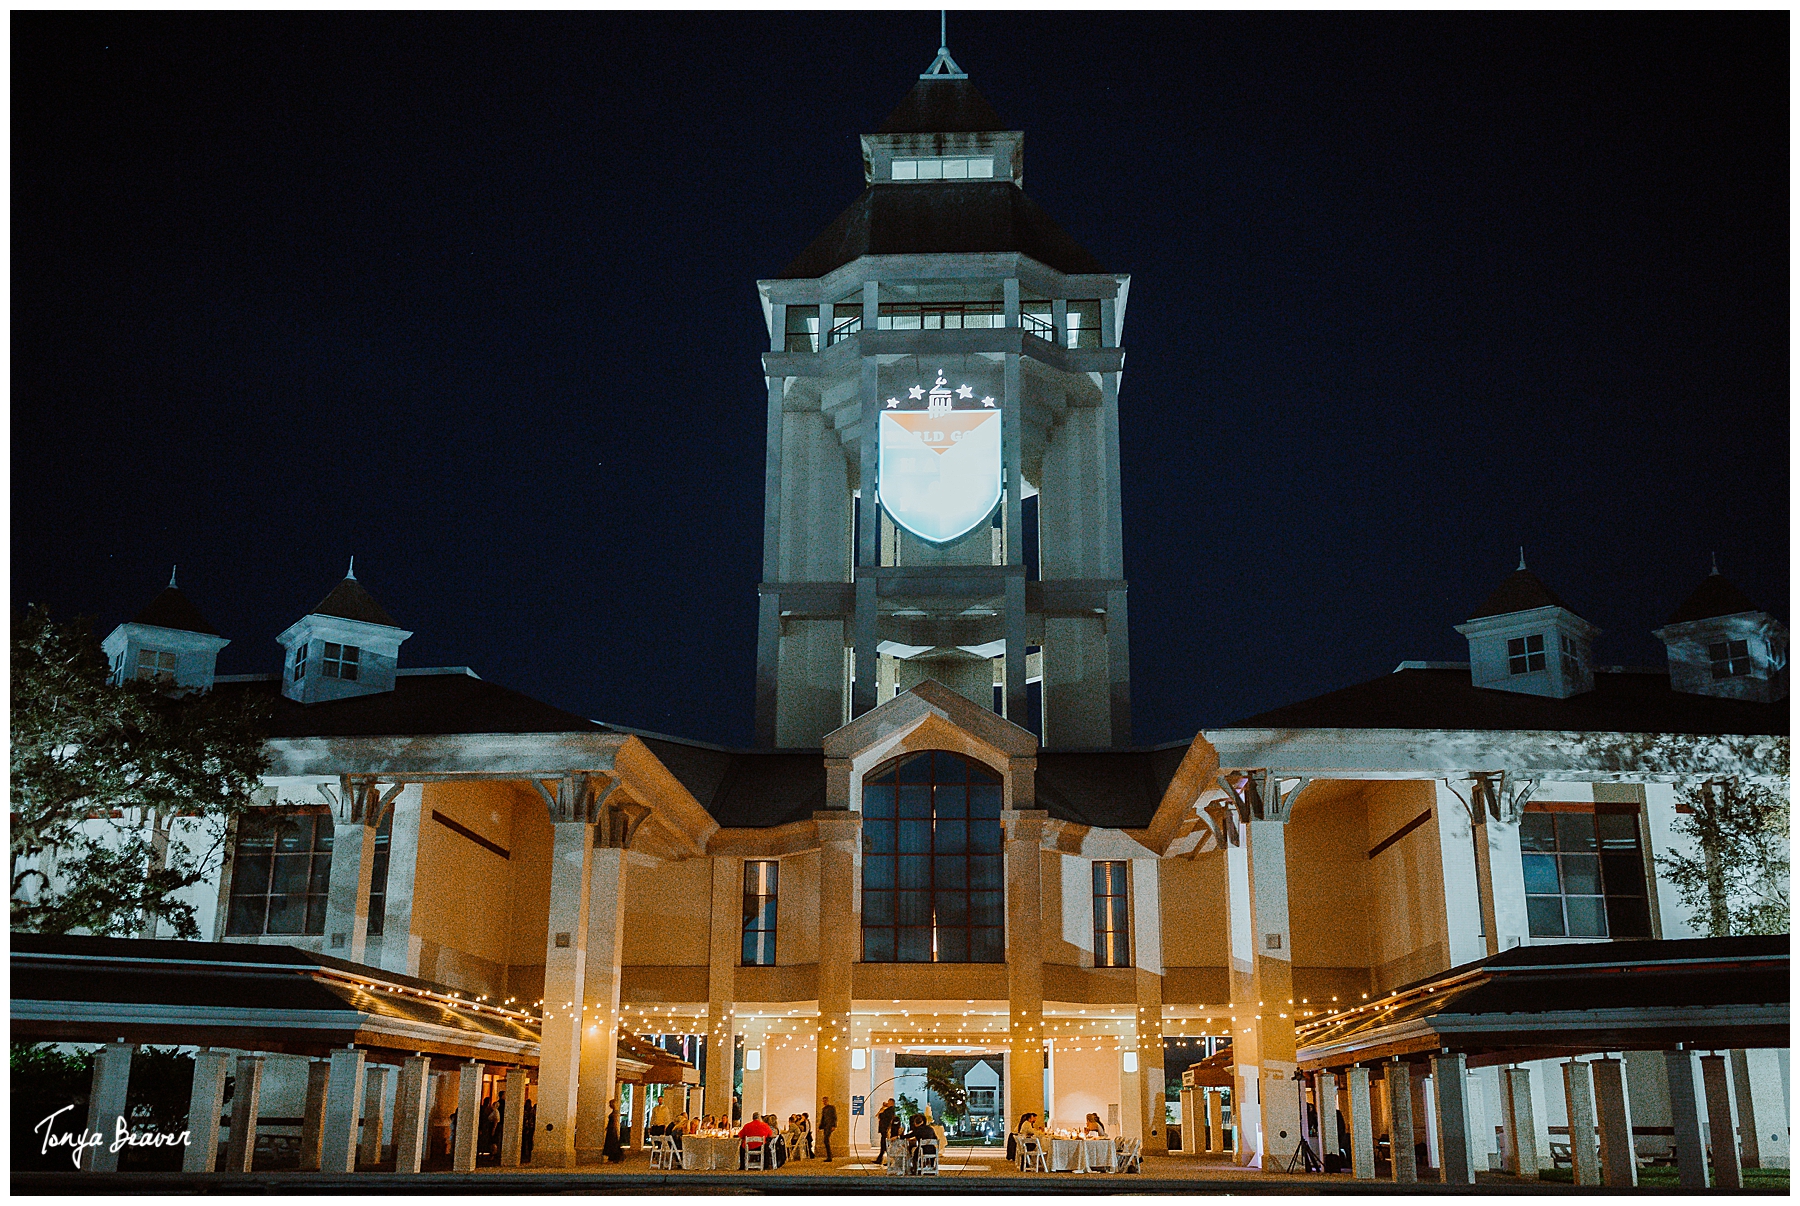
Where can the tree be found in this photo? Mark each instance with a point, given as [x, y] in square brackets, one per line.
[100, 773]
[1736, 878]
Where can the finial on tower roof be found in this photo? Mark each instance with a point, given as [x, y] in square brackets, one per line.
[944, 67]
[1521, 556]
[172, 570]
[1715, 566]
[351, 572]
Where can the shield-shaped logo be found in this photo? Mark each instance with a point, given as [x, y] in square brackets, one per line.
[939, 468]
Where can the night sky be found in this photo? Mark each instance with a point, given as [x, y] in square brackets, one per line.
[474, 298]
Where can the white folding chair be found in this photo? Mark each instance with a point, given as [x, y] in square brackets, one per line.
[659, 1151]
[1034, 1156]
[1129, 1156]
[896, 1158]
[928, 1158]
[753, 1155]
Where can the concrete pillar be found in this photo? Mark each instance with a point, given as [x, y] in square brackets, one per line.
[565, 984]
[1521, 1123]
[312, 1119]
[1483, 1156]
[640, 1099]
[343, 1104]
[1325, 1089]
[840, 942]
[1215, 1122]
[1584, 1151]
[1612, 1105]
[1425, 1101]
[204, 1104]
[400, 942]
[1456, 1150]
[1762, 1112]
[411, 1114]
[106, 1104]
[347, 901]
[1721, 1122]
[1400, 1129]
[1684, 1113]
[468, 1118]
[374, 1121]
[1362, 1126]
[246, 1104]
[1151, 1092]
[1024, 829]
[726, 947]
[881, 1087]
[600, 1032]
[1274, 990]
[512, 1124]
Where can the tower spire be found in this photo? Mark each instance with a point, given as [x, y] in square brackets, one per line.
[944, 67]
[351, 572]
[1715, 566]
[1521, 556]
[173, 568]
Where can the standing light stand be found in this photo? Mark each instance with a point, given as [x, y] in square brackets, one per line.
[1304, 1158]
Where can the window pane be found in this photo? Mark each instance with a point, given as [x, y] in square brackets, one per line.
[951, 837]
[878, 873]
[1515, 647]
[878, 946]
[916, 769]
[952, 909]
[350, 671]
[1537, 831]
[1575, 831]
[1624, 874]
[878, 908]
[987, 946]
[250, 875]
[915, 837]
[878, 801]
[985, 908]
[953, 946]
[914, 945]
[321, 831]
[982, 169]
[906, 169]
[951, 801]
[878, 837]
[913, 908]
[956, 169]
[985, 871]
[949, 768]
[287, 915]
[885, 778]
[1534, 644]
[980, 772]
[292, 872]
[1587, 916]
[1121, 919]
[950, 873]
[984, 801]
[319, 881]
[915, 803]
[1545, 914]
[1628, 916]
[246, 915]
[931, 169]
[1618, 831]
[1540, 873]
[984, 837]
[1581, 875]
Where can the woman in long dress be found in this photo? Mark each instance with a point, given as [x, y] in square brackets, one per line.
[615, 1151]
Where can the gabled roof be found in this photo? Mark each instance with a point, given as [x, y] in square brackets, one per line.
[1715, 596]
[1522, 591]
[745, 789]
[171, 609]
[1112, 789]
[952, 217]
[943, 107]
[1621, 702]
[419, 705]
[348, 600]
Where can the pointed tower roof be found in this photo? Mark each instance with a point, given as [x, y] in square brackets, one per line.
[943, 105]
[1521, 591]
[348, 600]
[1715, 596]
[171, 609]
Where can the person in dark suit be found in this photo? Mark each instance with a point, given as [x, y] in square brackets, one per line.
[884, 1125]
[827, 1124]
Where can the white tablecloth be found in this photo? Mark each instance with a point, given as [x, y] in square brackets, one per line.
[1081, 1155]
[709, 1151]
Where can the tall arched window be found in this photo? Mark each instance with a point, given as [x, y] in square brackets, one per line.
[932, 875]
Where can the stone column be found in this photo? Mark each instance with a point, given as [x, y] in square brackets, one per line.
[1273, 988]
[468, 1118]
[1521, 1126]
[1762, 1111]
[204, 1105]
[640, 1129]
[600, 1033]
[1482, 1152]
[352, 868]
[343, 1102]
[1684, 1112]
[106, 1104]
[1618, 1156]
[726, 948]
[1325, 1089]
[1151, 1091]
[399, 943]
[1215, 1122]
[374, 1121]
[840, 946]
[411, 1115]
[246, 1103]
[1024, 830]
[312, 1121]
[1584, 1153]
[1721, 1122]
[1456, 1152]
[565, 984]
[1362, 1125]
[512, 1125]
[1400, 1129]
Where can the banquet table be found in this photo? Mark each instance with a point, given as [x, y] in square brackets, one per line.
[710, 1151]
[1081, 1155]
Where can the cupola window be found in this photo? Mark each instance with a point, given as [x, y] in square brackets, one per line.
[341, 661]
[153, 665]
[944, 169]
[1729, 658]
[1571, 658]
[300, 661]
[1525, 654]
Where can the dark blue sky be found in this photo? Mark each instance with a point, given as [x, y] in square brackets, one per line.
[473, 298]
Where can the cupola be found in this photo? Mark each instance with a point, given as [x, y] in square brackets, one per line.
[346, 646]
[168, 642]
[1525, 639]
[1720, 643]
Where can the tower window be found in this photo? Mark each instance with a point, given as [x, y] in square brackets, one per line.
[341, 661]
[1571, 659]
[1525, 654]
[378, 875]
[762, 883]
[281, 874]
[300, 661]
[156, 666]
[1584, 872]
[943, 169]
[1112, 916]
[1729, 658]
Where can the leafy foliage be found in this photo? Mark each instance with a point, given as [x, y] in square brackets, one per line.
[99, 773]
[1736, 879]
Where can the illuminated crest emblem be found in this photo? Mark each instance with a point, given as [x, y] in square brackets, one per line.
[940, 467]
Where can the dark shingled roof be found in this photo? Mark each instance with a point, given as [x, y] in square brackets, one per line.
[746, 789]
[1113, 789]
[419, 705]
[1522, 591]
[348, 600]
[1631, 702]
[1713, 597]
[171, 609]
[943, 107]
[958, 217]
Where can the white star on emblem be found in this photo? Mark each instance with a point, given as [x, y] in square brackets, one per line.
[964, 391]
[987, 401]
[893, 404]
[917, 391]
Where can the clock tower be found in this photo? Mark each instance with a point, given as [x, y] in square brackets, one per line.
[942, 494]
